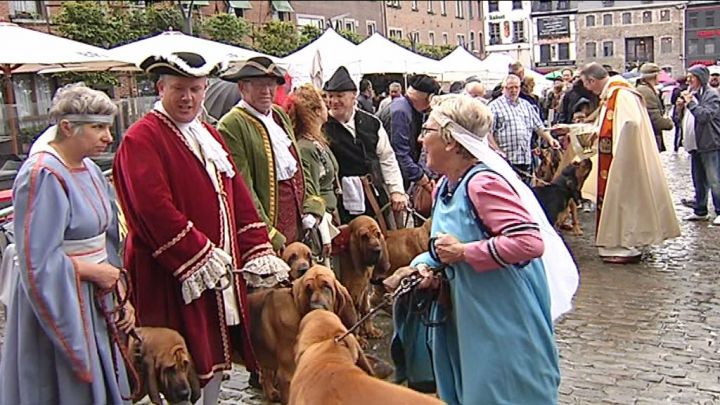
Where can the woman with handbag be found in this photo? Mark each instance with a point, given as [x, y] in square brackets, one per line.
[494, 342]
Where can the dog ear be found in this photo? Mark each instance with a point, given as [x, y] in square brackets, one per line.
[383, 265]
[194, 381]
[356, 250]
[344, 307]
[302, 301]
[151, 379]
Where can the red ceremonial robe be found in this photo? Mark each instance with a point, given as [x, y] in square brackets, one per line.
[173, 217]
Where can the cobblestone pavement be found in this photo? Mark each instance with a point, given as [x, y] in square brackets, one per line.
[640, 334]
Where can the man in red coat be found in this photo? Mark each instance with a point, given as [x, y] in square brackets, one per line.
[193, 227]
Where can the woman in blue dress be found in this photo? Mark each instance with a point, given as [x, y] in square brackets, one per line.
[508, 272]
[58, 348]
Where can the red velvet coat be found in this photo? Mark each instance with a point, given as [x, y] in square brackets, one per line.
[173, 217]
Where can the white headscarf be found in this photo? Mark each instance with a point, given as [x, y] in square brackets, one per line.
[560, 269]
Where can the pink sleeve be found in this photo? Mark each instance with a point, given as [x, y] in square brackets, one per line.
[516, 236]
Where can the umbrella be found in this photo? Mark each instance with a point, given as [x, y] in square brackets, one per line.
[664, 77]
[220, 97]
[26, 51]
[175, 41]
[553, 75]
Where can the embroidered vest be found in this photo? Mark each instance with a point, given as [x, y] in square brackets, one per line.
[356, 156]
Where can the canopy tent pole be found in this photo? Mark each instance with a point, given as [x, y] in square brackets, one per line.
[10, 109]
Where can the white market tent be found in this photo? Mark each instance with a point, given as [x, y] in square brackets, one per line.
[378, 54]
[332, 49]
[24, 50]
[461, 64]
[175, 41]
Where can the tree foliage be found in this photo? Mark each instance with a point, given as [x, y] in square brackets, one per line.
[88, 22]
[226, 28]
[351, 36]
[308, 33]
[277, 38]
[435, 51]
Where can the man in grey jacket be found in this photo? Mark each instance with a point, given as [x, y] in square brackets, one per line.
[704, 103]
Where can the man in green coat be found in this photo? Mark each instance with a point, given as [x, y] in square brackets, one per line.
[260, 138]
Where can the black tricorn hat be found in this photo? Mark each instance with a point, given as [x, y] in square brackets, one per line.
[340, 81]
[424, 83]
[186, 64]
[259, 66]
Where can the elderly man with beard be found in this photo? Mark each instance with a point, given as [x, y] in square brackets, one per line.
[260, 137]
[634, 207]
[189, 227]
[361, 147]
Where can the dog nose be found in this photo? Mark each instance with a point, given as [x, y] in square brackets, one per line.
[184, 393]
[303, 268]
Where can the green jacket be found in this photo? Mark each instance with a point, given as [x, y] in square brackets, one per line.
[249, 143]
[323, 170]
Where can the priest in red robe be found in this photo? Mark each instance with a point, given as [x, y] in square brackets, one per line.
[192, 225]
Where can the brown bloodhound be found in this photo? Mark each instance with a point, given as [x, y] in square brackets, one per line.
[299, 257]
[164, 365]
[404, 244]
[331, 372]
[366, 260]
[275, 316]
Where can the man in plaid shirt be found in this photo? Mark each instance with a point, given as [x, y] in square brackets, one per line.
[514, 121]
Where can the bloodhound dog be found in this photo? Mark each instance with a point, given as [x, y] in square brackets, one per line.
[366, 260]
[275, 316]
[299, 257]
[164, 365]
[404, 244]
[331, 372]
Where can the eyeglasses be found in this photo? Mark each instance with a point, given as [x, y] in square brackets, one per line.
[425, 131]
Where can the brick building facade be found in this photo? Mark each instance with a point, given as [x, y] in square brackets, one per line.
[437, 22]
[625, 34]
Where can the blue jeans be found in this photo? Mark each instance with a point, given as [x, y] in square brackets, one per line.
[705, 168]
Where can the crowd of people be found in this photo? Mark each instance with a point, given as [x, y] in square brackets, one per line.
[209, 209]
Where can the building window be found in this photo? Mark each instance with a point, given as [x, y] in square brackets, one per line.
[396, 33]
[416, 37]
[350, 25]
[590, 50]
[493, 6]
[459, 11]
[692, 47]
[472, 40]
[709, 18]
[590, 21]
[665, 16]
[518, 31]
[544, 5]
[692, 20]
[608, 50]
[431, 38]
[563, 5]
[639, 50]
[607, 19]
[545, 53]
[627, 18]
[371, 27]
[564, 51]
[413, 5]
[430, 7]
[666, 45]
[494, 33]
[28, 9]
[647, 17]
[393, 3]
[709, 45]
[445, 38]
[470, 10]
[443, 7]
[461, 40]
[517, 5]
[608, 3]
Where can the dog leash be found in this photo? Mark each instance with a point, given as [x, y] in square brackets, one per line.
[119, 309]
[407, 284]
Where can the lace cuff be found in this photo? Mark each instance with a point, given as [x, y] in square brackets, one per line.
[265, 271]
[208, 276]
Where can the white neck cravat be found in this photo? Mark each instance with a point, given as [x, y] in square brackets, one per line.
[285, 162]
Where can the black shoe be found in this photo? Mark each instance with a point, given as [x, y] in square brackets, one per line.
[254, 380]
